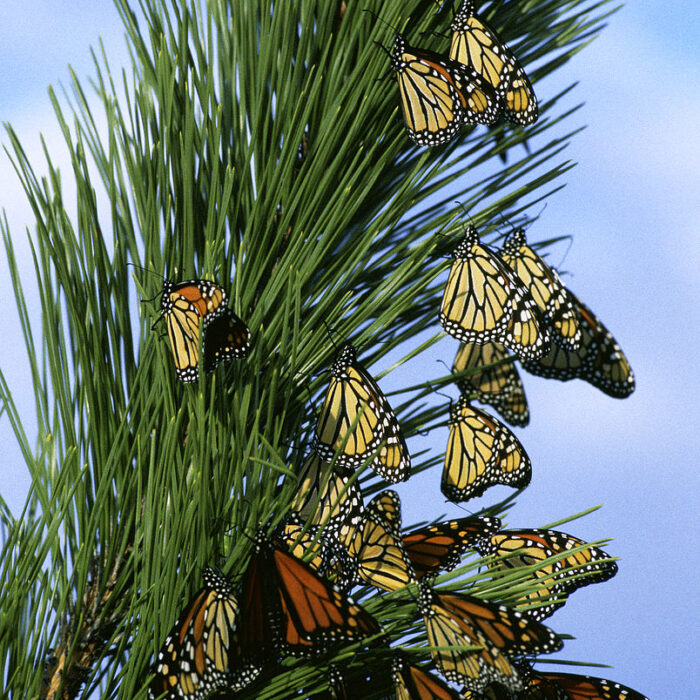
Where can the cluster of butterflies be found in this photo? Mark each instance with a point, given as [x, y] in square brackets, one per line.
[294, 594]
[496, 302]
[293, 598]
[479, 82]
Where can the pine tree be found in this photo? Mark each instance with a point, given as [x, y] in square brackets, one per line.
[260, 145]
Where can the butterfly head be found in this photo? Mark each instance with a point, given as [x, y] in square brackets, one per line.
[166, 303]
[397, 50]
[346, 356]
[471, 238]
[515, 241]
[214, 580]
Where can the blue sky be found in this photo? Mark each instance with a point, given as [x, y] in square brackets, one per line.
[632, 207]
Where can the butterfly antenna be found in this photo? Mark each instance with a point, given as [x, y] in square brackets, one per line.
[330, 330]
[535, 218]
[383, 21]
[389, 70]
[566, 252]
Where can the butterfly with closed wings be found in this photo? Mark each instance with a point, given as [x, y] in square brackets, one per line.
[485, 302]
[551, 296]
[437, 95]
[494, 379]
[357, 422]
[559, 577]
[226, 336]
[197, 655]
[476, 46]
[481, 452]
[456, 620]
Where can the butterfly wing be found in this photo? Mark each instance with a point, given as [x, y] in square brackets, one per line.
[327, 496]
[476, 45]
[440, 547]
[481, 452]
[571, 686]
[260, 628]
[413, 683]
[315, 616]
[304, 544]
[290, 609]
[598, 361]
[559, 577]
[497, 382]
[225, 337]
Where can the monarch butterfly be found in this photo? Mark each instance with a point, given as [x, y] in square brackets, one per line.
[286, 607]
[225, 335]
[528, 547]
[327, 496]
[598, 361]
[196, 655]
[484, 302]
[481, 452]
[457, 620]
[571, 686]
[413, 683]
[440, 547]
[438, 95]
[497, 383]
[476, 45]
[357, 421]
[376, 546]
[548, 291]
[303, 543]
